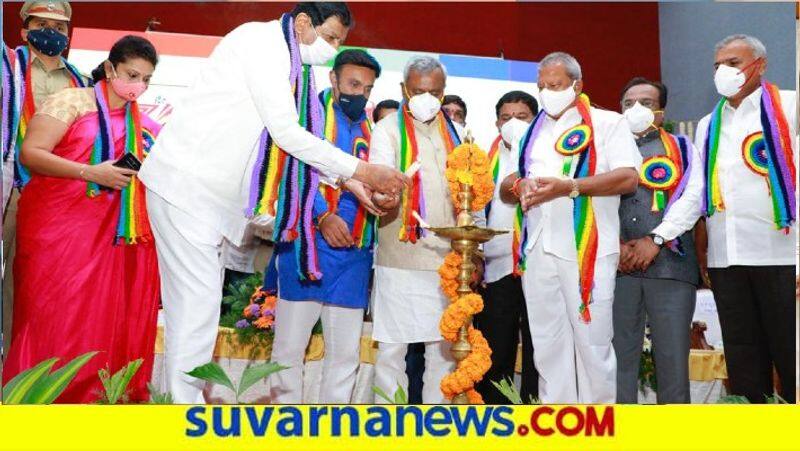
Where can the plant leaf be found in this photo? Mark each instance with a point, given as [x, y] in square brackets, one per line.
[120, 380]
[211, 372]
[16, 389]
[733, 399]
[400, 396]
[156, 397]
[377, 390]
[507, 388]
[255, 373]
[50, 387]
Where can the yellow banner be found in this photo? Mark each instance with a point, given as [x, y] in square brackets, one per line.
[395, 428]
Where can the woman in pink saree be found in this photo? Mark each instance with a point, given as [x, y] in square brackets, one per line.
[85, 274]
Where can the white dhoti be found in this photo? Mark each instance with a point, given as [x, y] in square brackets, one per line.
[191, 269]
[341, 331]
[575, 360]
[406, 308]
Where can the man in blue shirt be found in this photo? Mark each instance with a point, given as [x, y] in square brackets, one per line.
[344, 253]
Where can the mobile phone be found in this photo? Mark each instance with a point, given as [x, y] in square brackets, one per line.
[128, 161]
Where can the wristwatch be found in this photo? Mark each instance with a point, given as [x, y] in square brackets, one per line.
[575, 191]
[657, 239]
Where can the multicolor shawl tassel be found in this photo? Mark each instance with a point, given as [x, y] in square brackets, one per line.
[283, 186]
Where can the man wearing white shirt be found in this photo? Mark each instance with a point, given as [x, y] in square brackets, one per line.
[576, 160]
[751, 255]
[203, 166]
[504, 319]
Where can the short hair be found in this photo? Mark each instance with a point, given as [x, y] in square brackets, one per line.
[759, 51]
[452, 98]
[423, 64]
[356, 57]
[319, 12]
[569, 62]
[635, 81]
[388, 104]
[126, 48]
[516, 97]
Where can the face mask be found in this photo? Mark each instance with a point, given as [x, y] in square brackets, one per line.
[512, 129]
[48, 41]
[129, 91]
[639, 117]
[424, 107]
[318, 52]
[728, 80]
[352, 105]
[555, 102]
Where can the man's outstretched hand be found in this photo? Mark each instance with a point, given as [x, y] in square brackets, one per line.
[380, 178]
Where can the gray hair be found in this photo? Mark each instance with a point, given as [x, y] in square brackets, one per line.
[759, 51]
[569, 62]
[422, 64]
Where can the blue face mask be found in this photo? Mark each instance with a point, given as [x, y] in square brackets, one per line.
[48, 41]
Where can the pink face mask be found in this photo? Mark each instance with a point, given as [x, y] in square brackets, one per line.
[129, 91]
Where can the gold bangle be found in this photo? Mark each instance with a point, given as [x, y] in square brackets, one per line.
[83, 171]
[322, 217]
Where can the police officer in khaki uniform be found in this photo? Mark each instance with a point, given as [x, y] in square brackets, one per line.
[45, 31]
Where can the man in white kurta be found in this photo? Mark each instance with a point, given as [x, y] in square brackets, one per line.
[407, 301]
[575, 359]
[198, 172]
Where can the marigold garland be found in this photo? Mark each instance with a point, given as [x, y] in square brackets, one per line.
[469, 164]
[448, 273]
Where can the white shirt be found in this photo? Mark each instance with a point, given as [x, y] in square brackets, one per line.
[685, 212]
[498, 250]
[552, 221]
[745, 234]
[202, 159]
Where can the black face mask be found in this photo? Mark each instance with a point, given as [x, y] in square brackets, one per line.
[352, 105]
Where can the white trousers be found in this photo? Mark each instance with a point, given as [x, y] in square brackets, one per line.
[390, 370]
[190, 264]
[341, 331]
[575, 360]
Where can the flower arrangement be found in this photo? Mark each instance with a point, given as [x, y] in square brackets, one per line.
[468, 164]
[448, 274]
[470, 370]
[260, 313]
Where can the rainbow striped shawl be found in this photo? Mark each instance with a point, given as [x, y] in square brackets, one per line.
[283, 186]
[769, 153]
[22, 108]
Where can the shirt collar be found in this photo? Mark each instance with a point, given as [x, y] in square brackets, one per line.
[647, 137]
[36, 60]
[754, 99]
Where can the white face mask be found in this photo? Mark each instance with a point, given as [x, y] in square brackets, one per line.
[555, 102]
[424, 106]
[318, 52]
[728, 80]
[639, 117]
[512, 130]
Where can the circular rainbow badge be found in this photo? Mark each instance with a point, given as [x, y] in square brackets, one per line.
[660, 174]
[360, 148]
[574, 141]
[754, 152]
